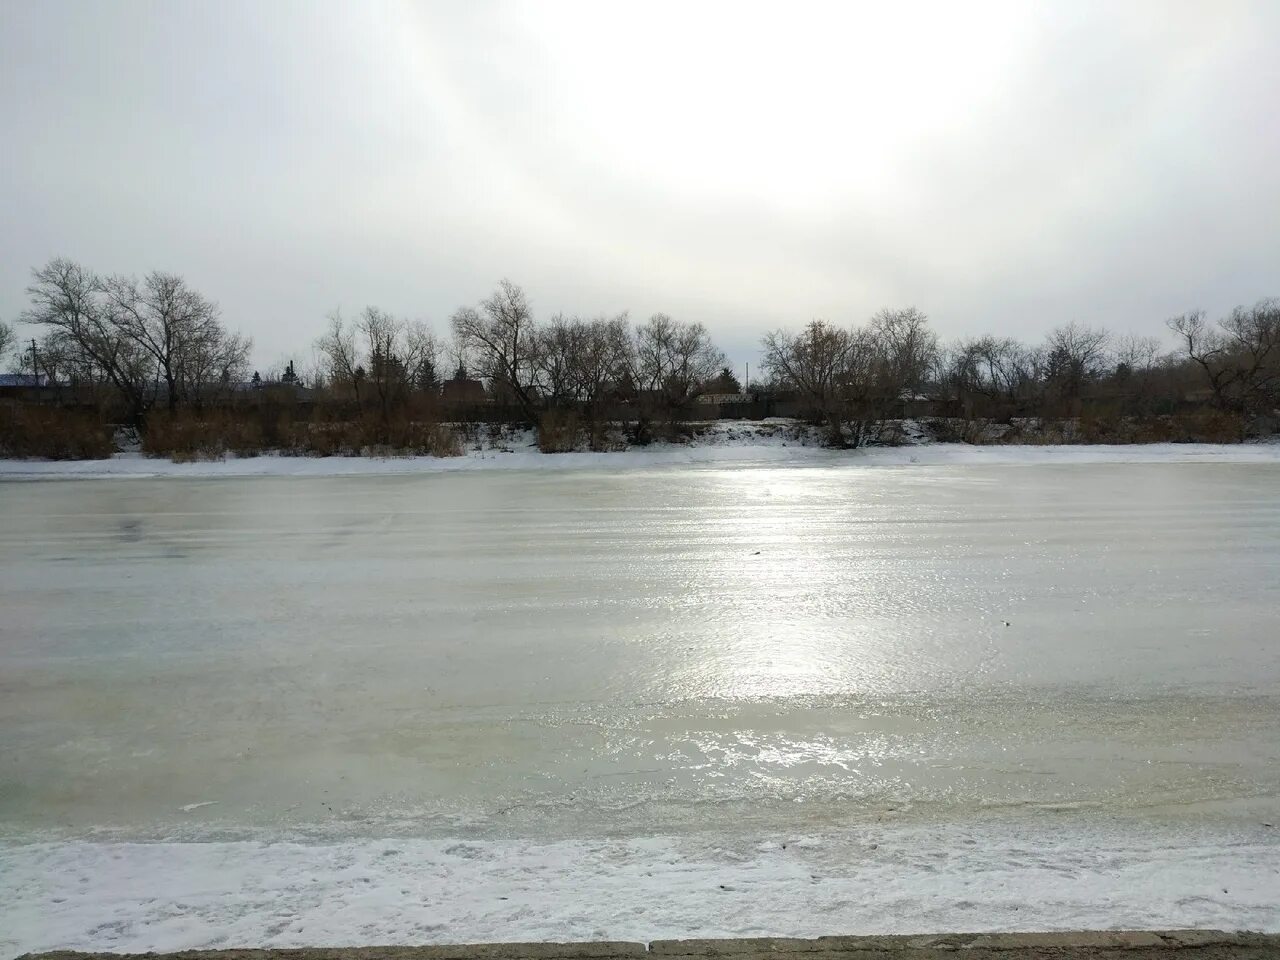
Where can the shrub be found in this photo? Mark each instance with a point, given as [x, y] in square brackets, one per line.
[891, 433]
[422, 438]
[54, 433]
[1102, 428]
[469, 434]
[1210, 426]
[187, 435]
[602, 436]
[374, 437]
[559, 431]
[955, 430]
[639, 433]
[325, 438]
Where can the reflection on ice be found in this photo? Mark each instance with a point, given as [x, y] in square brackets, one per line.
[579, 650]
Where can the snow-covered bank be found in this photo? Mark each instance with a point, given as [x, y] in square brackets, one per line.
[727, 449]
[174, 896]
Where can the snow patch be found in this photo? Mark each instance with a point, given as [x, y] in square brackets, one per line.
[724, 443]
[133, 897]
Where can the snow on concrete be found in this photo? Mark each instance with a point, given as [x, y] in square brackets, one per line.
[132, 897]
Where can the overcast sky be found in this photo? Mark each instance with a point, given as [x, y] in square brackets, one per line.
[1003, 166]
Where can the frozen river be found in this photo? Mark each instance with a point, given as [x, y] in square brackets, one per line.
[631, 703]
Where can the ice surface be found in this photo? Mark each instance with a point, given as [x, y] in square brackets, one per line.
[260, 710]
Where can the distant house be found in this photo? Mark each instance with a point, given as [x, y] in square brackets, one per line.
[1198, 395]
[720, 398]
[462, 388]
[910, 403]
[24, 386]
[288, 386]
[722, 384]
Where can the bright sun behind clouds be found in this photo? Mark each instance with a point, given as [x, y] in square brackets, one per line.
[792, 105]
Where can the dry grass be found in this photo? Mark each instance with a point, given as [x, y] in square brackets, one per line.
[1208, 426]
[62, 433]
[53, 433]
[1096, 427]
[371, 436]
[188, 436]
[603, 436]
[559, 431]
[1205, 427]
[952, 430]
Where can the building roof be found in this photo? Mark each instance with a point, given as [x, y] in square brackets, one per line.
[724, 398]
[23, 380]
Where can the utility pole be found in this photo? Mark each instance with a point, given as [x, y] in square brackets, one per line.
[35, 367]
[746, 384]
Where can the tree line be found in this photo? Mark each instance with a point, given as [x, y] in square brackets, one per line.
[143, 342]
[566, 363]
[853, 376]
[155, 345]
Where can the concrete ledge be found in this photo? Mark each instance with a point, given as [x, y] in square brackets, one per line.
[1134, 945]
[1085, 942]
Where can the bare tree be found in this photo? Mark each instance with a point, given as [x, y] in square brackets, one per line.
[52, 360]
[1253, 336]
[1241, 359]
[1137, 360]
[144, 339]
[557, 357]
[906, 351]
[673, 359]
[998, 370]
[1074, 356]
[386, 373]
[830, 367]
[960, 373]
[380, 358]
[176, 328]
[1010, 368]
[315, 372]
[210, 361]
[501, 340]
[341, 359]
[604, 363]
[67, 300]
[1137, 353]
[421, 352]
[8, 339]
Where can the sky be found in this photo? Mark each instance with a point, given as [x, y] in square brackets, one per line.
[1004, 166]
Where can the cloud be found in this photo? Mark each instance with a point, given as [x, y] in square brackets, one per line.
[1006, 167]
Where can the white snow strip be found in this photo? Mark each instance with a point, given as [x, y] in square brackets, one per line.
[135, 465]
[133, 897]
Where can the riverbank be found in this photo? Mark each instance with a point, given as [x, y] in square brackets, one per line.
[1074, 945]
[1047, 872]
[727, 442]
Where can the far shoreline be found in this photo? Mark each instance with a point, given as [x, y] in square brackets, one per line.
[137, 465]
